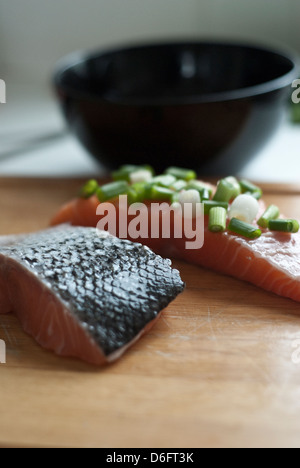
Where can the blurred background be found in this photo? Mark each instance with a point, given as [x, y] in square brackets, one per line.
[34, 34]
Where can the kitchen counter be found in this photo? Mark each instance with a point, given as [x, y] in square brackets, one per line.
[220, 368]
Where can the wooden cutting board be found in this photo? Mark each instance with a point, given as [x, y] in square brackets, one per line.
[216, 370]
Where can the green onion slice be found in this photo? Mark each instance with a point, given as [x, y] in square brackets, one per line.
[112, 190]
[178, 185]
[236, 185]
[296, 112]
[89, 189]
[272, 212]
[217, 219]
[124, 172]
[284, 225]
[175, 197]
[161, 193]
[254, 190]
[180, 173]
[133, 196]
[209, 204]
[163, 180]
[140, 189]
[205, 195]
[244, 229]
[201, 188]
[256, 195]
[225, 191]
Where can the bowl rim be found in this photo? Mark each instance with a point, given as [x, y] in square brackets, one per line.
[75, 58]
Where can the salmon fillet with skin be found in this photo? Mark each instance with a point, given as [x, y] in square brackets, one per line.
[271, 262]
[84, 293]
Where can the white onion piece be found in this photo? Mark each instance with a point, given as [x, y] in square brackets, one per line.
[142, 175]
[245, 208]
[190, 196]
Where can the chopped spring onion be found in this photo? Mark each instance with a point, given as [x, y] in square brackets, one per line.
[178, 185]
[237, 188]
[296, 113]
[147, 190]
[257, 195]
[225, 191]
[205, 195]
[247, 186]
[201, 187]
[191, 197]
[284, 225]
[180, 173]
[125, 171]
[176, 196]
[161, 193]
[142, 175]
[164, 180]
[245, 208]
[217, 219]
[244, 229]
[132, 196]
[137, 193]
[89, 189]
[272, 212]
[209, 204]
[140, 189]
[112, 190]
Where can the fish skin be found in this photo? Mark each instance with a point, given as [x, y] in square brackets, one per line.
[108, 291]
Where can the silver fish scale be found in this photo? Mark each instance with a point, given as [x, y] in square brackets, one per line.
[113, 287]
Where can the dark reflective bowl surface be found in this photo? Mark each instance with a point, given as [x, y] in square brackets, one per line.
[207, 106]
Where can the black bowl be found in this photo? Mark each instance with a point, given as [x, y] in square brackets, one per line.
[208, 106]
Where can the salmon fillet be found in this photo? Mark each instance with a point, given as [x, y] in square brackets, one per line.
[84, 293]
[271, 262]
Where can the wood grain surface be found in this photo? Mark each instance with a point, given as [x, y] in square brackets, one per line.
[215, 371]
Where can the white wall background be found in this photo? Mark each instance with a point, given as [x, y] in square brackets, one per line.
[34, 34]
